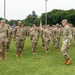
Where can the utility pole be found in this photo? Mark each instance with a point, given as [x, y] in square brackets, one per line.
[46, 12]
[4, 9]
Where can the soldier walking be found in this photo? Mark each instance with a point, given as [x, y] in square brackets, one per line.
[66, 39]
[34, 36]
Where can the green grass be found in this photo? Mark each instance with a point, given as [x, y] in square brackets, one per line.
[40, 64]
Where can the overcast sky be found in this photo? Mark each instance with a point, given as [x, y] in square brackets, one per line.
[19, 9]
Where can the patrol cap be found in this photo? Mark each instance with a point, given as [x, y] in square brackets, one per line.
[57, 24]
[19, 22]
[64, 20]
[3, 21]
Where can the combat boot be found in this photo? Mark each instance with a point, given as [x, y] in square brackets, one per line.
[69, 61]
[18, 55]
[34, 52]
[3, 57]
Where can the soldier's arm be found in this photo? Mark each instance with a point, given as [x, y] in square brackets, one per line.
[7, 33]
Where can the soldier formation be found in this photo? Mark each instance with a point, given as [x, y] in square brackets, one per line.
[46, 32]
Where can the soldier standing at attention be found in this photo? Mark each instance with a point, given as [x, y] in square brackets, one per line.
[34, 36]
[4, 38]
[57, 33]
[47, 38]
[19, 36]
[53, 35]
[66, 39]
[41, 34]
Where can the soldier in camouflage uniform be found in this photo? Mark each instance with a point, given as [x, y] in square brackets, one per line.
[53, 34]
[41, 34]
[47, 38]
[4, 38]
[65, 45]
[34, 36]
[19, 36]
[57, 32]
[9, 37]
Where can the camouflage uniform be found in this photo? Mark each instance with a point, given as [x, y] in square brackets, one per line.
[3, 42]
[66, 38]
[47, 38]
[57, 33]
[41, 34]
[19, 36]
[53, 35]
[34, 36]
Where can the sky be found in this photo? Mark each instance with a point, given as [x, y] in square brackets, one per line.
[20, 9]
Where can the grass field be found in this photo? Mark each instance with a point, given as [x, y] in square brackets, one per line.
[40, 64]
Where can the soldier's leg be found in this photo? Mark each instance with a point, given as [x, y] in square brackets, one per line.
[64, 50]
[17, 48]
[53, 41]
[8, 46]
[33, 48]
[36, 47]
[2, 53]
[47, 46]
[21, 44]
[21, 47]
[1, 49]
[57, 43]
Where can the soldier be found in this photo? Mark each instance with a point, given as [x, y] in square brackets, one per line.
[41, 34]
[19, 36]
[53, 35]
[66, 39]
[57, 33]
[34, 36]
[47, 38]
[9, 37]
[4, 38]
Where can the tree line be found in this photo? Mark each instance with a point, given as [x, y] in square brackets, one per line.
[53, 17]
